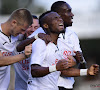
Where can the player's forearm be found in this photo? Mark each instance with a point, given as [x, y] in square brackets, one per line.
[71, 72]
[4, 61]
[21, 46]
[38, 71]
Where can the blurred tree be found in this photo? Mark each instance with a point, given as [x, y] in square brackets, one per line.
[7, 6]
[24, 3]
[35, 8]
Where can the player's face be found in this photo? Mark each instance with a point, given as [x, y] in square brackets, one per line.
[29, 31]
[18, 28]
[55, 23]
[33, 27]
[67, 15]
[35, 24]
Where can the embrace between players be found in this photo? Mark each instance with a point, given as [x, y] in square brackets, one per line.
[53, 55]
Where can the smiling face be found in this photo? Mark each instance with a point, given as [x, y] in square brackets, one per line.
[54, 23]
[35, 25]
[66, 14]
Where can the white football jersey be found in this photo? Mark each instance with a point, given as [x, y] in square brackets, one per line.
[7, 45]
[21, 71]
[22, 67]
[44, 56]
[70, 42]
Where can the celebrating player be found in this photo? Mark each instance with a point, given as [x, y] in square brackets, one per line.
[17, 24]
[46, 63]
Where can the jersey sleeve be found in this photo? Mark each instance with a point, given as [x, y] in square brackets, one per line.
[38, 52]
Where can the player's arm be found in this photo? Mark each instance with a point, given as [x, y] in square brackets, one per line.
[38, 57]
[7, 60]
[80, 60]
[21, 46]
[82, 65]
[39, 71]
[79, 56]
[73, 72]
[71, 61]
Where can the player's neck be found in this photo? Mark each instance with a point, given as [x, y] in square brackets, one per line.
[5, 28]
[54, 38]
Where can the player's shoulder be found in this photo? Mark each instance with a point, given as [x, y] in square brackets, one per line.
[39, 42]
[70, 32]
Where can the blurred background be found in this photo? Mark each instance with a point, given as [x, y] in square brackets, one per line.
[86, 24]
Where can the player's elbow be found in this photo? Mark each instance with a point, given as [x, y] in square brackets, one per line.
[35, 73]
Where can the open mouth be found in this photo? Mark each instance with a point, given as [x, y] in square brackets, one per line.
[61, 24]
[71, 19]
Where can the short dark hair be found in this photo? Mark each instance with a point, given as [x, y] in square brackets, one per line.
[34, 16]
[57, 5]
[21, 16]
[41, 21]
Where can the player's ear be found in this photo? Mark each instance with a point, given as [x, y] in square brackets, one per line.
[13, 23]
[45, 25]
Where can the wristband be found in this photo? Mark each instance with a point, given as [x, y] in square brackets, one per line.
[52, 68]
[83, 72]
[36, 36]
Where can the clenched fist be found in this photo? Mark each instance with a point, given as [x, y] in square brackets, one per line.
[28, 50]
[93, 70]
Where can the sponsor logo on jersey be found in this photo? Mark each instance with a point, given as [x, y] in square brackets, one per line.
[24, 64]
[65, 56]
[66, 53]
[6, 53]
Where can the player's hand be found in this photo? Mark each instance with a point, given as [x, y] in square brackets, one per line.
[62, 65]
[79, 56]
[93, 70]
[71, 61]
[45, 37]
[28, 50]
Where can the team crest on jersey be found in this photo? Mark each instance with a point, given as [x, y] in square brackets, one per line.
[63, 54]
[66, 54]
